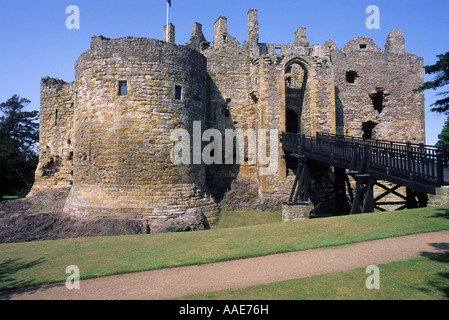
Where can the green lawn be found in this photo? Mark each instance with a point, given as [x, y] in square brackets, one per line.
[416, 279]
[235, 219]
[25, 264]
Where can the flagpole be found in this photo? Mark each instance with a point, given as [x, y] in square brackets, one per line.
[167, 23]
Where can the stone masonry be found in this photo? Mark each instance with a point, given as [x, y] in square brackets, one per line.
[107, 134]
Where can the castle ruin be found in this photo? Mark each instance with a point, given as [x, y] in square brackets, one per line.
[106, 135]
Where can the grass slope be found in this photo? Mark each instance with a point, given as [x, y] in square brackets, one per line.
[34, 263]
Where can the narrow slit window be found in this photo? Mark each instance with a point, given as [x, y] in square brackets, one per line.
[226, 109]
[178, 93]
[122, 88]
[56, 117]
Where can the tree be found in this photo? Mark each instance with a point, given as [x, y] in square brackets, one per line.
[443, 137]
[441, 69]
[19, 135]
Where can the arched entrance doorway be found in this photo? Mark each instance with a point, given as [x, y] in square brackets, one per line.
[291, 121]
[295, 88]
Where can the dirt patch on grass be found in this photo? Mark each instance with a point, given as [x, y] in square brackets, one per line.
[41, 218]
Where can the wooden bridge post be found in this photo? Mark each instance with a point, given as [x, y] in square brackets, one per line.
[416, 199]
[440, 169]
[300, 190]
[364, 197]
[342, 203]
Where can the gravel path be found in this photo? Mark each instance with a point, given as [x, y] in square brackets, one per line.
[169, 283]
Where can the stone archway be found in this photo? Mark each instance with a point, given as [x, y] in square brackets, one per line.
[295, 87]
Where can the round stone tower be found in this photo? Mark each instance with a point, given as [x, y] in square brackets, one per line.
[131, 93]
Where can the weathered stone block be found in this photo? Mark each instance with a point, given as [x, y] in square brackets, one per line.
[292, 212]
[192, 220]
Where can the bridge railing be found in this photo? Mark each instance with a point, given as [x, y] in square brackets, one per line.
[395, 145]
[413, 162]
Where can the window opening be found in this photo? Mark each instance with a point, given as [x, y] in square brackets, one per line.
[367, 128]
[122, 88]
[363, 46]
[351, 76]
[226, 109]
[378, 100]
[178, 92]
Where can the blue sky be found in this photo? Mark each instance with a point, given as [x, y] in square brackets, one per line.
[35, 42]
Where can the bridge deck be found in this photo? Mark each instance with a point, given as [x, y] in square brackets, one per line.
[416, 166]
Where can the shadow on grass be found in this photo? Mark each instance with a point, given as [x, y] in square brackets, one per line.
[9, 268]
[442, 256]
[441, 213]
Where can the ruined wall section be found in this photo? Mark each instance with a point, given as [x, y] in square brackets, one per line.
[374, 90]
[55, 168]
[132, 94]
[271, 115]
[230, 104]
[317, 112]
[231, 108]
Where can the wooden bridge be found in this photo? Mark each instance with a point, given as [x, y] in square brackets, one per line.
[418, 167]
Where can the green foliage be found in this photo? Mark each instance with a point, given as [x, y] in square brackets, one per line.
[444, 135]
[441, 69]
[19, 134]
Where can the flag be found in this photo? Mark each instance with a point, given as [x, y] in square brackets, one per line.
[169, 3]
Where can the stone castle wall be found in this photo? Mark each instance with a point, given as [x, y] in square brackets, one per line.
[112, 135]
[230, 108]
[381, 94]
[122, 139]
[55, 168]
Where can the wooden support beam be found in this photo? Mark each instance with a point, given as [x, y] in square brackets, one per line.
[342, 202]
[364, 197]
[300, 190]
[388, 191]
